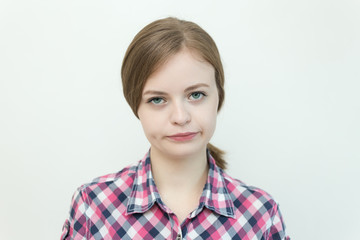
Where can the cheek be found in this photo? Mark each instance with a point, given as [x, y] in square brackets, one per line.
[207, 118]
[213, 114]
[151, 123]
[144, 120]
[212, 122]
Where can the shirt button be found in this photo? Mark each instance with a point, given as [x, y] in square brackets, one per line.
[178, 237]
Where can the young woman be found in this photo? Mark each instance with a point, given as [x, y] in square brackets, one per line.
[174, 82]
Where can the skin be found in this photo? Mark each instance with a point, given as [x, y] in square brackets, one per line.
[181, 97]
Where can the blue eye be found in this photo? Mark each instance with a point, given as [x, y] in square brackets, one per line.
[197, 95]
[156, 100]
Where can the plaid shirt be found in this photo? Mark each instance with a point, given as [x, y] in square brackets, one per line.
[127, 205]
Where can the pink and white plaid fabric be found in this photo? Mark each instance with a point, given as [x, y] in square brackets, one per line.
[127, 205]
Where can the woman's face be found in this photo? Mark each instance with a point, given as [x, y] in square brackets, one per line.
[179, 104]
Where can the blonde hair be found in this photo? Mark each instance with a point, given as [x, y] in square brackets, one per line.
[154, 45]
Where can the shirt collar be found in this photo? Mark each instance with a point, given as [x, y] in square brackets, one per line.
[215, 195]
[144, 192]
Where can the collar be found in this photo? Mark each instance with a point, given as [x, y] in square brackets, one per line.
[215, 195]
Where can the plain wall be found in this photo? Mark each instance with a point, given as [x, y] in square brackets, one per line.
[290, 123]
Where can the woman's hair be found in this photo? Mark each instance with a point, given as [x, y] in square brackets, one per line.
[154, 45]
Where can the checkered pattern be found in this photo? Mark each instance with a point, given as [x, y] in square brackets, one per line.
[127, 205]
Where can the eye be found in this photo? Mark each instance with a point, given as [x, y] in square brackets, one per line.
[156, 100]
[197, 95]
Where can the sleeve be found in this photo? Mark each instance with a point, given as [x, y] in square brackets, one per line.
[277, 228]
[75, 227]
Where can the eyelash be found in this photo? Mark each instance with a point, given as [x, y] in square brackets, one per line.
[154, 98]
[202, 93]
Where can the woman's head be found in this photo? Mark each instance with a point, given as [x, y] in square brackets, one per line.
[155, 44]
[149, 53]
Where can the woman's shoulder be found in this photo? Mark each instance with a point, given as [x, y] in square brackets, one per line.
[240, 190]
[255, 205]
[121, 179]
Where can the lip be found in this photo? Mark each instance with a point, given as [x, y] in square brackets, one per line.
[181, 137]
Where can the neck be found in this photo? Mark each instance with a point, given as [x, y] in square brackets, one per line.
[187, 174]
[180, 180]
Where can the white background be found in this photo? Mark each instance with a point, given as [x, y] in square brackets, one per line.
[290, 123]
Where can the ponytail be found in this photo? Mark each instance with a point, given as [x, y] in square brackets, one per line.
[218, 155]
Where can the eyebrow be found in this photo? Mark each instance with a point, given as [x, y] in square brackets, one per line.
[160, 93]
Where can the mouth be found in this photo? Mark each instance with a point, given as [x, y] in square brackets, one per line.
[180, 137]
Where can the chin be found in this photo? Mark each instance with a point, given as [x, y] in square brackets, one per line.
[183, 150]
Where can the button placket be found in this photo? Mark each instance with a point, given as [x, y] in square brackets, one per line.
[179, 237]
[175, 226]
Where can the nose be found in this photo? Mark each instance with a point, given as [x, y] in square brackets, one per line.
[180, 114]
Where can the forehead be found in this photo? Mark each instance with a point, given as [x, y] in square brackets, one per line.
[181, 70]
